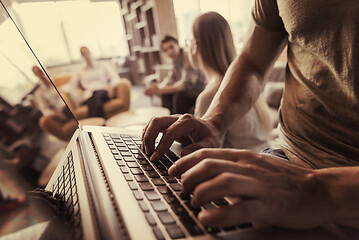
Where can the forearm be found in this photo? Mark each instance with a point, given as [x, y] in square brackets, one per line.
[179, 86]
[238, 92]
[342, 185]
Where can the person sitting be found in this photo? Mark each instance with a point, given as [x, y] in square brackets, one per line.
[212, 50]
[98, 82]
[179, 90]
[48, 100]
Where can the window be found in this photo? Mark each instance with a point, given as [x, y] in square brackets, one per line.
[57, 30]
[16, 62]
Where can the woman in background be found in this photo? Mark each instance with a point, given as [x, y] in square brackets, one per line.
[212, 50]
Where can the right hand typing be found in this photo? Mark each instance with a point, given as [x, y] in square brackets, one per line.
[190, 131]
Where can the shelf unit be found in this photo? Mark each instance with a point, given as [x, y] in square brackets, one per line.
[146, 23]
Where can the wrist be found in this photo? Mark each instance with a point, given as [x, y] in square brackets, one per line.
[216, 123]
[325, 196]
[341, 187]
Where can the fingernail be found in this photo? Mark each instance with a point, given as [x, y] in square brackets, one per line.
[202, 215]
[153, 157]
[172, 170]
[194, 202]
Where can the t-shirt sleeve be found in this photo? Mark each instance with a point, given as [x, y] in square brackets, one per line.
[265, 14]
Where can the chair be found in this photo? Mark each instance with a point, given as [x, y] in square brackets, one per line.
[64, 131]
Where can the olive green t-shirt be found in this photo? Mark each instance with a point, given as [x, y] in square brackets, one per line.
[319, 115]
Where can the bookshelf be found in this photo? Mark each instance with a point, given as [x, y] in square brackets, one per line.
[146, 23]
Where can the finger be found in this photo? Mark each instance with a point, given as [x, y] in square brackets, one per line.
[154, 127]
[227, 184]
[241, 212]
[188, 161]
[182, 127]
[210, 168]
[143, 147]
[191, 148]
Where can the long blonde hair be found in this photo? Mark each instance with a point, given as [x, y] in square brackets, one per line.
[216, 48]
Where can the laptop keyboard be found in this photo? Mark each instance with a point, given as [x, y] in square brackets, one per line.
[65, 191]
[150, 181]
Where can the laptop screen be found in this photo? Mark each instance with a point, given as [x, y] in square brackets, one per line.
[47, 94]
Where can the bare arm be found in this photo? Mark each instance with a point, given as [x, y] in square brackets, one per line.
[176, 87]
[244, 79]
[238, 92]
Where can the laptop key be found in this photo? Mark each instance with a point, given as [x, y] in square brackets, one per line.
[175, 232]
[158, 206]
[158, 234]
[142, 162]
[194, 210]
[143, 206]
[124, 170]
[164, 190]
[166, 218]
[133, 185]
[141, 178]
[128, 177]
[171, 199]
[163, 172]
[150, 219]
[132, 165]
[179, 210]
[136, 171]
[135, 151]
[153, 174]
[191, 226]
[152, 195]
[166, 162]
[158, 182]
[138, 195]
[120, 144]
[122, 149]
[146, 186]
[120, 163]
[175, 186]
[139, 156]
[148, 168]
[184, 196]
[170, 179]
[159, 165]
[129, 159]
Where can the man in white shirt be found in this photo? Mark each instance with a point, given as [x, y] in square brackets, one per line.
[98, 82]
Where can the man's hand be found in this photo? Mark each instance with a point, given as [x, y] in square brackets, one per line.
[269, 191]
[152, 90]
[186, 129]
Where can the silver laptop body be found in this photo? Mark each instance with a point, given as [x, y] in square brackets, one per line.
[108, 189]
